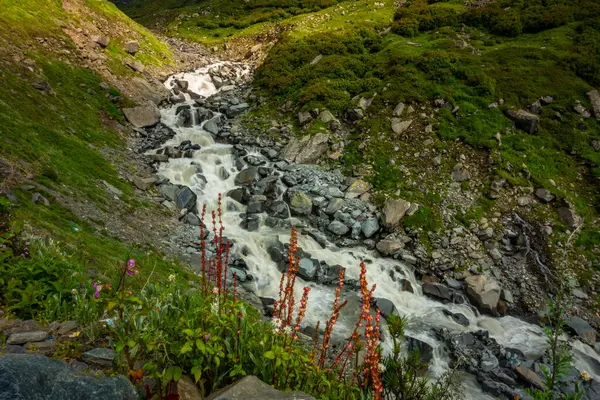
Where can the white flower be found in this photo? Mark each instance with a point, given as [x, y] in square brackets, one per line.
[215, 290]
[276, 322]
[381, 368]
[287, 330]
[214, 307]
[73, 292]
[277, 330]
[171, 278]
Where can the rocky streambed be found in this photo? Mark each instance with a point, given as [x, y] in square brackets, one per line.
[269, 182]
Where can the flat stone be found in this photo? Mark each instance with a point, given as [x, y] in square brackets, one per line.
[399, 126]
[67, 327]
[581, 328]
[530, 377]
[436, 290]
[100, 356]
[25, 337]
[252, 388]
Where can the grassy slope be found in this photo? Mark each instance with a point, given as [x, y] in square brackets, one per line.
[56, 138]
[517, 69]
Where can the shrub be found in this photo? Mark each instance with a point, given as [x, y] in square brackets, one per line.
[408, 27]
[508, 23]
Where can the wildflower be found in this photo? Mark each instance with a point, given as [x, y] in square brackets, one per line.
[287, 330]
[215, 290]
[171, 278]
[276, 331]
[73, 292]
[276, 322]
[214, 307]
[98, 288]
[131, 268]
[381, 368]
[206, 337]
[585, 376]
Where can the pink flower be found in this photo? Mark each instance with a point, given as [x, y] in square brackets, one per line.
[131, 268]
[98, 289]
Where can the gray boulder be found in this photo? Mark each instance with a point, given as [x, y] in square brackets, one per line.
[307, 268]
[425, 350]
[101, 40]
[314, 148]
[524, 120]
[484, 292]
[247, 176]
[393, 212]
[436, 290]
[25, 337]
[386, 307]
[544, 195]
[299, 202]
[357, 188]
[146, 115]
[185, 198]
[337, 228]
[460, 173]
[370, 227]
[399, 126]
[35, 377]
[132, 47]
[581, 328]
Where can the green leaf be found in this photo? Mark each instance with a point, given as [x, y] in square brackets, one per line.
[200, 345]
[186, 348]
[269, 355]
[111, 305]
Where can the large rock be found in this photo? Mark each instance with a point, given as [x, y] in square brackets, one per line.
[393, 212]
[252, 388]
[436, 290]
[25, 337]
[146, 115]
[594, 97]
[484, 292]
[529, 377]
[357, 188]
[386, 307]
[151, 90]
[187, 389]
[132, 47]
[389, 246]
[100, 356]
[337, 228]
[185, 198]
[101, 40]
[460, 173]
[304, 117]
[370, 227]
[544, 195]
[247, 176]
[35, 377]
[425, 350]
[570, 217]
[300, 203]
[314, 149]
[524, 120]
[307, 268]
[399, 126]
[581, 328]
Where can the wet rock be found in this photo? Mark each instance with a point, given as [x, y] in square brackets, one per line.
[460, 173]
[544, 195]
[488, 361]
[393, 212]
[278, 209]
[581, 328]
[460, 319]
[100, 356]
[255, 207]
[337, 228]
[250, 387]
[386, 307]
[406, 285]
[307, 268]
[241, 195]
[33, 376]
[247, 176]
[524, 120]
[436, 290]
[299, 202]
[213, 125]
[425, 350]
[370, 227]
[25, 337]
[143, 116]
[185, 198]
[484, 292]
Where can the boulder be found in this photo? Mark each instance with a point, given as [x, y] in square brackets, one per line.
[247, 176]
[132, 47]
[357, 188]
[278, 209]
[135, 65]
[25, 337]
[316, 146]
[326, 116]
[529, 377]
[304, 117]
[191, 219]
[143, 116]
[185, 198]
[237, 109]
[524, 120]
[594, 97]
[337, 228]
[398, 110]
[484, 292]
[570, 217]
[544, 195]
[250, 387]
[101, 40]
[399, 126]
[307, 268]
[33, 376]
[213, 125]
[386, 307]
[152, 90]
[334, 206]
[299, 202]
[425, 349]
[393, 212]
[143, 183]
[436, 290]
[187, 389]
[169, 191]
[389, 246]
[370, 227]
[581, 328]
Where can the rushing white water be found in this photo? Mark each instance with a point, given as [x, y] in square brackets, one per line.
[422, 313]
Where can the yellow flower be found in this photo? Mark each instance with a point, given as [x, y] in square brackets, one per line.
[171, 278]
[585, 376]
